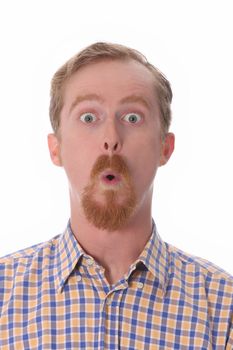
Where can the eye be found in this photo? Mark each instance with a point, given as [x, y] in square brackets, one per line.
[133, 118]
[88, 117]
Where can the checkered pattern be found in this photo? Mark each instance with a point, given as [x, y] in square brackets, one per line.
[54, 296]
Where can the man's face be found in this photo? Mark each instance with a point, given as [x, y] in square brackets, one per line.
[111, 141]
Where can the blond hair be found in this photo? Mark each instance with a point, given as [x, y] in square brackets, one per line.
[97, 52]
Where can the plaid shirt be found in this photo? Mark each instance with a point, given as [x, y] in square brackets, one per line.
[54, 296]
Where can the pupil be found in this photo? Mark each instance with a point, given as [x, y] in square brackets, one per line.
[110, 177]
[132, 118]
[88, 118]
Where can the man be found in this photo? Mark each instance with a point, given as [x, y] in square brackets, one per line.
[109, 281]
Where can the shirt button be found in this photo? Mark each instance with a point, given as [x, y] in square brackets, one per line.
[108, 302]
[140, 285]
[79, 278]
[90, 262]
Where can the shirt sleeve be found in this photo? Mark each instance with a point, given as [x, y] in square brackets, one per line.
[229, 344]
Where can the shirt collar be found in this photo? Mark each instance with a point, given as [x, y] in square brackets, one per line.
[154, 256]
[68, 255]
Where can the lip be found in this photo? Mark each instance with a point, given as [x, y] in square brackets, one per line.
[116, 180]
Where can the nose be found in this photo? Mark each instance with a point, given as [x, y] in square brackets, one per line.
[111, 142]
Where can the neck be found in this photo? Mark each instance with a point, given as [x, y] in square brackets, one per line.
[114, 251]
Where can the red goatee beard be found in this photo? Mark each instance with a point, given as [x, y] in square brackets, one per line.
[117, 204]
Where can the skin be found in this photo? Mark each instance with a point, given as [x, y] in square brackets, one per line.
[141, 145]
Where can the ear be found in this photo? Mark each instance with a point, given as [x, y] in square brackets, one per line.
[54, 149]
[167, 148]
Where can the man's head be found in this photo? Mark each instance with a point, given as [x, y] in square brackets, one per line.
[102, 51]
[110, 111]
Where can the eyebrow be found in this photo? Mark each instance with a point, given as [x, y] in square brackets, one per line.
[88, 97]
[136, 98]
[95, 97]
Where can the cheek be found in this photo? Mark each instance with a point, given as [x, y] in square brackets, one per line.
[146, 163]
[147, 169]
[74, 161]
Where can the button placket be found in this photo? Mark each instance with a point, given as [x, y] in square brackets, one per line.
[111, 312]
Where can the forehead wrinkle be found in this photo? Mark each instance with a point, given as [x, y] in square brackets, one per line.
[88, 97]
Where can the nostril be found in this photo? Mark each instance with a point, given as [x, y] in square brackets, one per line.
[114, 148]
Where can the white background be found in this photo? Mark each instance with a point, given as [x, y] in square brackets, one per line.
[191, 42]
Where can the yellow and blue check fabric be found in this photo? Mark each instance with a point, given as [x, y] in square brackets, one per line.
[55, 296]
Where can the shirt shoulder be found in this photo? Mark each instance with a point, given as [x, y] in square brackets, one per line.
[23, 265]
[195, 273]
[204, 266]
[29, 252]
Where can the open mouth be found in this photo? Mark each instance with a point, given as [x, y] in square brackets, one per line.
[110, 178]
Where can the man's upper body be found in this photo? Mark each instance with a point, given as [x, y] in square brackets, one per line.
[56, 296]
[109, 282]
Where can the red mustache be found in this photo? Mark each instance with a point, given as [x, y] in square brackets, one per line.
[116, 163]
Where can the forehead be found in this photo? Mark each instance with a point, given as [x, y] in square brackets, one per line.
[111, 78]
